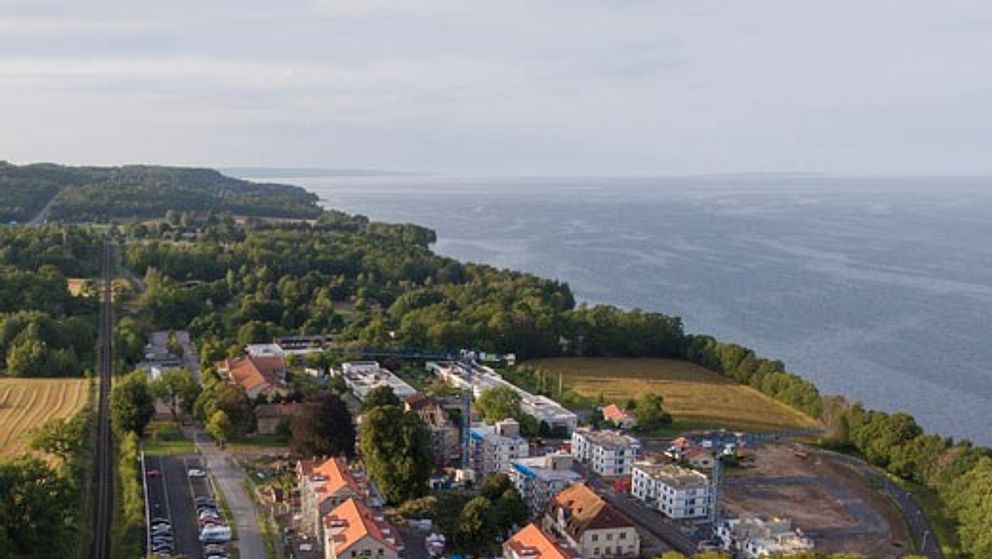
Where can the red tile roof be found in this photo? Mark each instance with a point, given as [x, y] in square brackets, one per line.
[351, 521]
[252, 372]
[585, 510]
[616, 414]
[533, 543]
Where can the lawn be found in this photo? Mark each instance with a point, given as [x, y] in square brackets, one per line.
[26, 404]
[696, 397]
[164, 438]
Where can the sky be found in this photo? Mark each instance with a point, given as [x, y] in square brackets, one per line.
[892, 87]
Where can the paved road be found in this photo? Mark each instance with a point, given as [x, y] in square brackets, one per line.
[42, 215]
[191, 359]
[171, 496]
[231, 480]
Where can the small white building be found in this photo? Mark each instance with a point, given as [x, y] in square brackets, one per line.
[493, 448]
[751, 537]
[608, 453]
[677, 492]
[362, 376]
[539, 478]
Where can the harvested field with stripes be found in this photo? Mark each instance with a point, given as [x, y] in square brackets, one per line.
[26, 404]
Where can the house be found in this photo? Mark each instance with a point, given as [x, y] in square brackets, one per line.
[325, 484]
[493, 447]
[533, 543]
[269, 416]
[751, 537]
[619, 417]
[444, 434]
[352, 530]
[539, 478]
[677, 492]
[590, 525]
[257, 376]
[609, 453]
[700, 458]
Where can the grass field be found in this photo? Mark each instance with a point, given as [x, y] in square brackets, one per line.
[696, 397]
[163, 438]
[26, 404]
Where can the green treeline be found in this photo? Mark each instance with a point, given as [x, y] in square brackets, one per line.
[138, 191]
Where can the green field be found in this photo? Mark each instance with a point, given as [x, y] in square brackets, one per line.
[163, 438]
[696, 397]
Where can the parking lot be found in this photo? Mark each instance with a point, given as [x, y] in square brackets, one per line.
[171, 494]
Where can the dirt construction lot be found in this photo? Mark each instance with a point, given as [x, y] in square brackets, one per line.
[828, 500]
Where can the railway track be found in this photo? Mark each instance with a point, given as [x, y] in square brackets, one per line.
[103, 483]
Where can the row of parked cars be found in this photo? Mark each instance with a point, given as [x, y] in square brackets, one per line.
[214, 533]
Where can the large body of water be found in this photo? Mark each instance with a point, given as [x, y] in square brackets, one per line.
[879, 289]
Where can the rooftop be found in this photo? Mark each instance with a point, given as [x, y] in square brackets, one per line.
[608, 438]
[543, 468]
[673, 475]
[584, 510]
[533, 543]
[351, 521]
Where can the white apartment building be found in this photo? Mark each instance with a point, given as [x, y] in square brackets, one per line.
[492, 448]
[479, 378]
[608, 453]
[752, 538]
[677, 492]
[539, 478]
[362, 376]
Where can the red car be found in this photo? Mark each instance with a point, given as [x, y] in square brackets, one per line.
[153, 473]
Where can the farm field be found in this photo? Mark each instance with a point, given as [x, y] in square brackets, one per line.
[26, 404]
[697, 398]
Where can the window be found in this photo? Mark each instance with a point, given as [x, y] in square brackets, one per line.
[609, 537]
[595, 552]
[623, 535]
[595, 537]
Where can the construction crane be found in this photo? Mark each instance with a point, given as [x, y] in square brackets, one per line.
[744, 439]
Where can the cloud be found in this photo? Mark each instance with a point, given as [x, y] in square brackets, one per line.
[539, 85]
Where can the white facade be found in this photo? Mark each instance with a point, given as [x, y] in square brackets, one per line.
[539, 478]
[493, 448]
[608, 453]
[362, 376]
[480, 378]
[675, 491]
[752, 538]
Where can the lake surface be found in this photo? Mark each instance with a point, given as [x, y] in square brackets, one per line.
[879, 289]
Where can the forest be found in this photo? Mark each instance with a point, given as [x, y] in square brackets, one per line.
[103, 194]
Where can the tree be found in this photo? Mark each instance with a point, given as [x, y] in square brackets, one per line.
[395, 446]
[494, 486]
[477, 530]
[499, 403]
[60, 437]
[324, 428]
[219, 427]
[381, 396]
[650, 413]
[176, 387]
[131, 404]
[37, 509]
[28, 357]
[510, 510]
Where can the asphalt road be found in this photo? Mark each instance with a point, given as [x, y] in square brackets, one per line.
[920, 530]
[230, 479]
[171, 496]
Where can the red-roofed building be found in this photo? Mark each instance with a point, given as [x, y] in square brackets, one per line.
[534, 543]
[591, 525]
[256, 375]
[352, 530]
[618, 416]
[325, 484]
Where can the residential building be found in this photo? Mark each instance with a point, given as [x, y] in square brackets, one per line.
[257, 376]
[534, 543]
[479, 378]
[353, 531]
[539, 478]
[751, 537]
[362, 376]
[444, 434]
[493, 447]
[269, 416]
[325, 484]
[619, 417]
[700, 458]
[590, 525]
[677, 492]
[608, 453]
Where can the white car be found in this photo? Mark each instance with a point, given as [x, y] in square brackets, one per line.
[306, 547]
[196, 472]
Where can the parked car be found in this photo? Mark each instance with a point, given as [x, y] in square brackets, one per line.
[153, 474]
[196, 472]
[215, 534]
